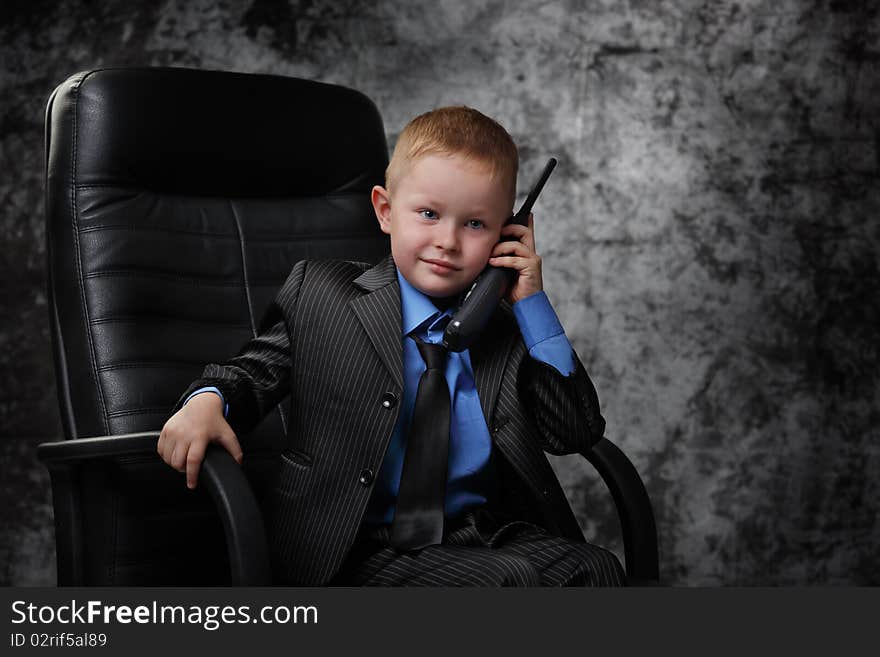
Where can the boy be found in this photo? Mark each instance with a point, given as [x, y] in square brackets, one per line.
[347, 342]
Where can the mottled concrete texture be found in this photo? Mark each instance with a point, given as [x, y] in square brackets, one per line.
[710, 237]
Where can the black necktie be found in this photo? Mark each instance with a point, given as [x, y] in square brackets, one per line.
[418, 520]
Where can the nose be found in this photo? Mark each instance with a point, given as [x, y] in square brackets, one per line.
[446, 236]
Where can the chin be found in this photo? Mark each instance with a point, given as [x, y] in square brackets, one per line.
[440, 290]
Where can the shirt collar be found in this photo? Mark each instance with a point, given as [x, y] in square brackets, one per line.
[416, 307]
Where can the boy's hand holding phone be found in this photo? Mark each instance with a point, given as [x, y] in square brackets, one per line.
[519, 253]
[187, 434]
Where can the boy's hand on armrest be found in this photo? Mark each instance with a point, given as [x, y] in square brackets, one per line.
[187, 434]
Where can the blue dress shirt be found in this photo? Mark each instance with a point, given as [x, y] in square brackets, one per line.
[469, 474]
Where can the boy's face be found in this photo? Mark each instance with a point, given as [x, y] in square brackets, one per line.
[444, 218]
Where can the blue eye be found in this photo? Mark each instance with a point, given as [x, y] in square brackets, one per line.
[428, 214]
[475, 223]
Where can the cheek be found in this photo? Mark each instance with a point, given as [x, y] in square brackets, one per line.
[483, 248]
[406, 242]
[491, 240]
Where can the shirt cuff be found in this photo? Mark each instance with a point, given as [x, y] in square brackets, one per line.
[214, 390]
[543, 334]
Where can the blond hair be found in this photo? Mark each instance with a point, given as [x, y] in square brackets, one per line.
[456, 130]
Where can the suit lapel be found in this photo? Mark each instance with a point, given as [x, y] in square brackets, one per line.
[489, 357]
[379, 313]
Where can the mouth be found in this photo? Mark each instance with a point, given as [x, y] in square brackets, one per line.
[440, 264]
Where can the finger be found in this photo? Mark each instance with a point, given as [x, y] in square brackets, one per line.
[169, 441]
[160, 444]
[511, 248]
[165, 445]
[512, 262]
[514, 230]
[529, 240]
[178, 456]
[231, 444]
[194, 458]
[523, 234]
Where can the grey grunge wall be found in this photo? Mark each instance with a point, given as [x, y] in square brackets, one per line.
[710, 237]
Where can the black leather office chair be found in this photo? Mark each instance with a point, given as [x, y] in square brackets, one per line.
[177, 202]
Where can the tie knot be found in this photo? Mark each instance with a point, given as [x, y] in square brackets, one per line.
[434, 355]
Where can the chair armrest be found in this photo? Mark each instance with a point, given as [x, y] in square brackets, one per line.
[222, 478]
[633, 509]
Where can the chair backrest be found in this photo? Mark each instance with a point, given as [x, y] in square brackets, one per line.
[177, 202]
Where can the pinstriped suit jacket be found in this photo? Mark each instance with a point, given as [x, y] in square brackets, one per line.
[332, 339]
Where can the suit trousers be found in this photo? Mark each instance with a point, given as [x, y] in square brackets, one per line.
[480, 550]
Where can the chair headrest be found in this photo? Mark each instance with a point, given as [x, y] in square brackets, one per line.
[157, 127]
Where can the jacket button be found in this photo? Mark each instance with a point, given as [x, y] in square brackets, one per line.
[366, 477]
[389, 399]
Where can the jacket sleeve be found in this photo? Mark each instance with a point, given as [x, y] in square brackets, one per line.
[257, 379]
[565, 409]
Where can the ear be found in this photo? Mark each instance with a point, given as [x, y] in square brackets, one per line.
[382, 207]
